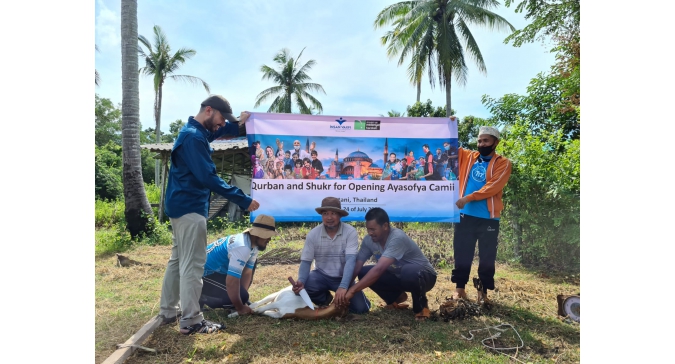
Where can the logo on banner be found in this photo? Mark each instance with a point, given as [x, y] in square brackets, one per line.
[366, 124]
[340, 127]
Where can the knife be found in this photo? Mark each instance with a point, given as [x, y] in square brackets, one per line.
[303, 294]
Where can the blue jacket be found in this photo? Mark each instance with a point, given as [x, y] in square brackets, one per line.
[192, 175]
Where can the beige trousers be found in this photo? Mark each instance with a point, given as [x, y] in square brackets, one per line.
[183, 278]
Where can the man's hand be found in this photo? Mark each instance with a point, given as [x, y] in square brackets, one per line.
[253, 206]
[348, 295]
[461, 202]
[244, 116]
[297, 287]
[245, 310]
[340, 297]
[453, 117]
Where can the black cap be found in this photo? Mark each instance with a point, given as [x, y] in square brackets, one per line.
[221, 104]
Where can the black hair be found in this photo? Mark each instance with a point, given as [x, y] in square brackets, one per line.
[392, 153]
[314, 152]
[306, 160]
[426, 146]
[378, 214]
[297, 161]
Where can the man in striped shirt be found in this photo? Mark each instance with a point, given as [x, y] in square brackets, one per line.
[333, 246]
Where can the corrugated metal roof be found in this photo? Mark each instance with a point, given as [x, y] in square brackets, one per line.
[217, 145]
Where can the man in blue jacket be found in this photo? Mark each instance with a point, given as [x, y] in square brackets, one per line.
[192, 178]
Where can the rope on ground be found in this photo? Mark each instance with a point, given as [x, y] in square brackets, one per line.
[120, 346]
[496, 335]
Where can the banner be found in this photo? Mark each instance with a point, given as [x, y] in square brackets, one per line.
[407, 166]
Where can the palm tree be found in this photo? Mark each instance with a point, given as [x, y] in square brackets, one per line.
[98, 77]
[137, 209]
[291, 80]
[161, 64]
[432, 33]
[394, 114]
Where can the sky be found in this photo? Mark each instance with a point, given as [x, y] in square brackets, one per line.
[233, 39]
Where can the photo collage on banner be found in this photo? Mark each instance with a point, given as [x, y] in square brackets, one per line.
[407, 166]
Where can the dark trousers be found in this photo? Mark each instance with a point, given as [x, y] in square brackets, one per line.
[414, 279]
[214, 292]
[318, 288]
[469, 230]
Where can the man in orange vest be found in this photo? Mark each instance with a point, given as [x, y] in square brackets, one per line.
[482, 177]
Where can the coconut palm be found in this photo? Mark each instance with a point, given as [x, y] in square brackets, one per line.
[137, 211]
[394, 114]
[161, 64]
[436, 36]
[291, 80]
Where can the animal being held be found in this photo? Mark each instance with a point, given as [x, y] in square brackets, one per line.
[286, 304]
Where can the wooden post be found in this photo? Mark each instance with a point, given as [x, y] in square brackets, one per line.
[130, 345]
[163, 187]
[232, 167]
[222, 164]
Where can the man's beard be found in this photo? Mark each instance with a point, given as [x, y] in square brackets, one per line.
[208, 123]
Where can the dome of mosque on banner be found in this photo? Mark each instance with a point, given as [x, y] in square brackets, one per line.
[358, 155]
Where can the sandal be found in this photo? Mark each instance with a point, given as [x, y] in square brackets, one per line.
[423, 315]
[204, 327]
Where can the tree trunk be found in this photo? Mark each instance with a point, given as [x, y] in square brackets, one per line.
[419, 89]
[448, 89]
[137, 209]
[158, 138]
[289, 105]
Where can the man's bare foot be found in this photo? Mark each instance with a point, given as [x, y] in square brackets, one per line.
[459, 293]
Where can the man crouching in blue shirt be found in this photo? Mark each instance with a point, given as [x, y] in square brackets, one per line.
[230, 262]
[192, 177]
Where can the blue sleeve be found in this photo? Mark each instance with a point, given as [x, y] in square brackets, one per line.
[348, 272]
[228, 129]
[303, 272]
[201, 165]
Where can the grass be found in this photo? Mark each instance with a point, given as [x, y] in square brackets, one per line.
[126, 298]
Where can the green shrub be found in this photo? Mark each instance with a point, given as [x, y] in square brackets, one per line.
[540, 223]
[110, 223]
[117, 239]
[113, 239]
[108, 172]
[223, 226]
[109, 213]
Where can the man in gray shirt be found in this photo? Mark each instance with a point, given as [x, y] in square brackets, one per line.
[332, 245]
[401, 266]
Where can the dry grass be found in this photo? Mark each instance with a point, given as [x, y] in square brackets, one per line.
[126, 298]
